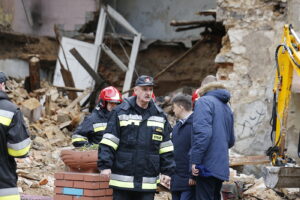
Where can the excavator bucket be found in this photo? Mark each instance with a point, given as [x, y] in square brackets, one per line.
[281, 177]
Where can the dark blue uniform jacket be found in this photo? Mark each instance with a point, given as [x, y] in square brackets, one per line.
[181, 138]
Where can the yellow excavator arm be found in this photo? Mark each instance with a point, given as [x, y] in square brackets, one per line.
[287, 57]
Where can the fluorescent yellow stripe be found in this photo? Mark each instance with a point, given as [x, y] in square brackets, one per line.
[109, 143]
[18, 153]
[100, 128]
[10, 197]
[153, 123]
[5, 121]
[129, 122]
[121, 184]
[166, 149]
[79, 140]
[149, 186]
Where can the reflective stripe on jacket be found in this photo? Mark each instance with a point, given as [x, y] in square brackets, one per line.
[136, 146]
[91, 130]
[15, 142]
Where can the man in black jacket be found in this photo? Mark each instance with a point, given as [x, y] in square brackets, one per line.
[136, 146]
[182, 183]
[15, 143]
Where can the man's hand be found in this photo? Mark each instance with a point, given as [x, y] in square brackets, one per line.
[192, 182]
[165, 180]
[106, 172]
[195, 171]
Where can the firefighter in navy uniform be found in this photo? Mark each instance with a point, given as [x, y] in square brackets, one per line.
[90, 131]
[136, 146]
[15, 143]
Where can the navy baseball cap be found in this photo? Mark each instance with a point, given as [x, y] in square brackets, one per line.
[3, 77]
[144, 80]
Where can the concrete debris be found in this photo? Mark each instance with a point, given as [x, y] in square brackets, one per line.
[32, 109]
[248, 187]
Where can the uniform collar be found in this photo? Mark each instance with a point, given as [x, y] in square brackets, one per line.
[3, 95]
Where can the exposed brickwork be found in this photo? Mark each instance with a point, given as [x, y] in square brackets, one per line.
[81, 186]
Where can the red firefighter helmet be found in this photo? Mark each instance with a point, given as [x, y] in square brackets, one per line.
[153, 96]
[195, 96]
[109, 94]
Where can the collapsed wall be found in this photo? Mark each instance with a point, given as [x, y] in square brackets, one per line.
[246, 64]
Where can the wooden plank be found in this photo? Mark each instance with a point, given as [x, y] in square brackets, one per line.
[120, 64]
[131, 66]
[100, 27]
[121, 20]
[211, 12]
[68, 80]
[100, 33]
[177, 60]
[248, 160]
[66, 73]
[186, 23]
[69, 88]
[87, 67]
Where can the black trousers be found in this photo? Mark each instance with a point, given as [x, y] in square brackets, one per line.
[132, 195]
[208, 188]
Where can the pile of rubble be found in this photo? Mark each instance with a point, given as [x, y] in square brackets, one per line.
[51, 117]
[249, 187]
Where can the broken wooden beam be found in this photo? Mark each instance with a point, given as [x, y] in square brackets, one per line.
[188, 23]
[186, 28]
[69, 88]
[281, 177]
[66, 73]
[248, 160]
[34, 73]
[87, 67]
[115, 58]
[211, 12]
[177, 59]
[68, 80]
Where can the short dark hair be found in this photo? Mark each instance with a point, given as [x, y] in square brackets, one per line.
[183, 100]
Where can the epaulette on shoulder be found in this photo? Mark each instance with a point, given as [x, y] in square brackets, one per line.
[125, 105]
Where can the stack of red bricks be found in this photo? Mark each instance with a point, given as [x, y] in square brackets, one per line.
[81, 186]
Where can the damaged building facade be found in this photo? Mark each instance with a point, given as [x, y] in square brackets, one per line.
[247, 64]
[237, 44]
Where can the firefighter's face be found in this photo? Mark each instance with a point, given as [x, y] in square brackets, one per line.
[110, 106]
[143, 93]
